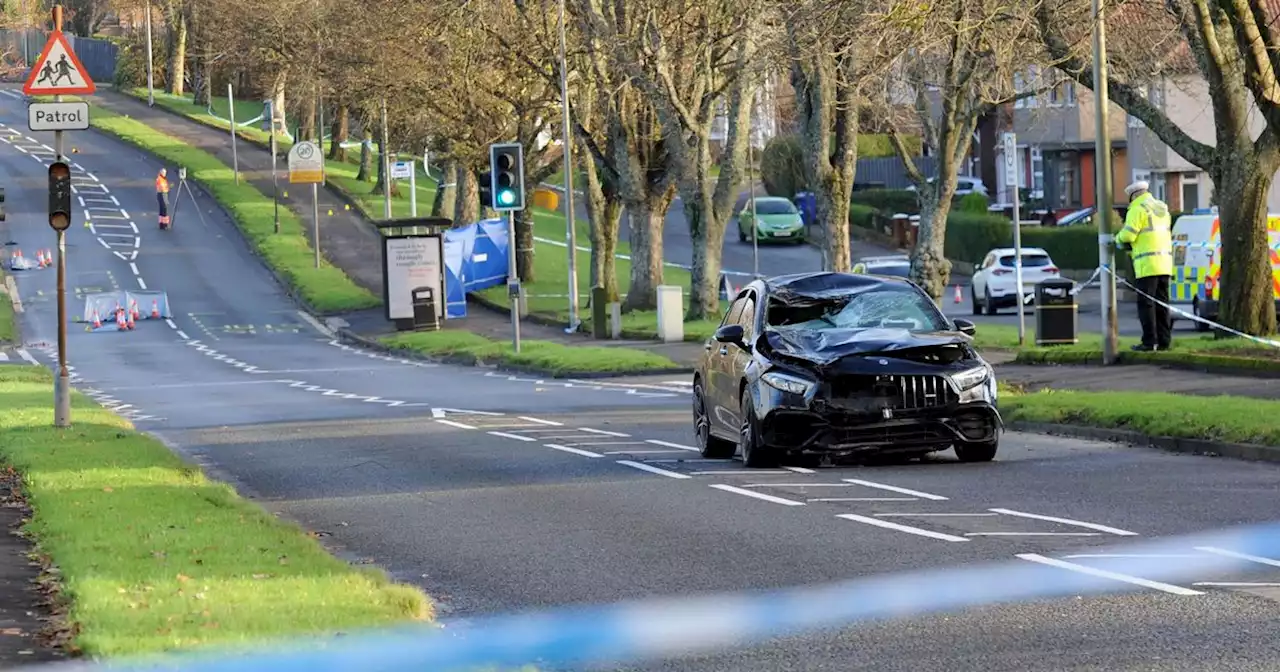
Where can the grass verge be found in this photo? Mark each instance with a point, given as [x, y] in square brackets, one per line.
[326, 289]
[1200, 350]
[1220, 418]
[552, 358]
[154, 556]
[8, 320]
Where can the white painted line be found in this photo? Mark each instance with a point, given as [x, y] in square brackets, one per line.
[103, 225]
[863, 499]
[26, 356]
[1068, 521]
[794, 485]
[306, 317]
[620, 443]
[1155, 585]
[920, 515]
[183, 335]
[602, 432]
[575, 451]
[541, 422]
[668, 444]
[113, 200]
[634, 452]
[1154, 556]
[800, 470]
[1236, 584]
[134, 267]
[133, 226]
[1242, 556]
[517, 437]
[104, 243]
[451, 423]
[735, 472]
[1032, 534]
[652, 470]
[170, 323]
[901, 528]
[142, 283]
[757, 495]
[691, 460]
[137, 242]
[894, 488]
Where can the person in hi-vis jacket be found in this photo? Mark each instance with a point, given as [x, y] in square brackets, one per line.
[162, 196]
[1147, 234]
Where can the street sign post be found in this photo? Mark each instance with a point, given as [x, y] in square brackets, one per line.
[306, 166]
[1011, 166]
[58, 116]
[404, 170]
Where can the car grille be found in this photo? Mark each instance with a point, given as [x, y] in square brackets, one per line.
[904, 392]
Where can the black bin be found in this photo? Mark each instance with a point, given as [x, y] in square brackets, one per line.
[424, 309]
[1057, 319]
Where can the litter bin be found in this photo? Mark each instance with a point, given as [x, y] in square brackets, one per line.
[424, 309]
[807, 204]
[1057, 319]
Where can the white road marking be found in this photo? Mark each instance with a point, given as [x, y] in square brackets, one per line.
[1154, 556]
[900, 528]
[602, 432]
[183, 335]
[575, 451]
[668, 444]
[736, 472]
[652, 470]
[634, 452]
[1236, 584]
[134, 267]
[170, 323]
[918, 515]
[306, 317]
[26, 356]
[894, 488]
[517, 437]
[1146, 583]
[800, 470]
[142, 283]
[451, 423]
[794, 485]
[863, 499]
[104, 243]
[1032, 534]
[619, 443]
[1241, 556]
[541, 422]
[1068, 521]
[757, 495]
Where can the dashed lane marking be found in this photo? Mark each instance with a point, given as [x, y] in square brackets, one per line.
[1115, 576]
[894, 488]
[1068, 521]
[653, 470]
[1239, 556]
[756, 495]
[918, 531]
[570, 449]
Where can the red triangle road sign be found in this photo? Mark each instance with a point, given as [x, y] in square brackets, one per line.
[58, 71]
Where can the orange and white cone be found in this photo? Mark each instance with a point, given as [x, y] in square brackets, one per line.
[155, 309]
[130, 317]
[133, 310]
[959, 297]
[121, 321]
[40, 258]
[97, 321]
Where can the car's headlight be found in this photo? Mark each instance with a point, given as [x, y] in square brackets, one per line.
[787, 382]
[971, 378]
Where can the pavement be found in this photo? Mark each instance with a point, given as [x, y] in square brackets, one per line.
[498, 492]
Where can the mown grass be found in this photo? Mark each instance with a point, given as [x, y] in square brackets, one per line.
[154, 556]
[552, 358]
[1222, 418]
[326, 289]
[1199, 350]
[8, 320]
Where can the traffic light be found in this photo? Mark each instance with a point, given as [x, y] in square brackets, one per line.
[507, 165]
[486, 189]
[59, 196]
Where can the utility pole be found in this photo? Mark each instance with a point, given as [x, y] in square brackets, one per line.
[571, 232]
[60, 221]
[385, 156]
[151, 92]
[1103, 207]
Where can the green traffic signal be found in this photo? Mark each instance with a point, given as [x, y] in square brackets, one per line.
[507, 197]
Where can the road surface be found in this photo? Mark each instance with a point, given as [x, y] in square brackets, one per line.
[498, 492]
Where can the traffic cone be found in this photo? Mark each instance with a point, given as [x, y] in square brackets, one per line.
[121, 322]
[959, 297]
[97, 321]
[133, 310]
[130, 319]
[155, 309]
[40, 258]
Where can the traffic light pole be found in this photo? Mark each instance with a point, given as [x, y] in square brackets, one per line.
[513, 284]
[62, 384]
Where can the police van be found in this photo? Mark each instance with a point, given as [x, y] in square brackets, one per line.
[1197, 251]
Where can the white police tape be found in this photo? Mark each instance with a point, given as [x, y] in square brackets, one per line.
[1195, 318]
[670, 628]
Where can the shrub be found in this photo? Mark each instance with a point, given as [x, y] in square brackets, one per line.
[863, 216]
[889, 201]
[782, 167]
[974, 203]
[872, 146]
[971, 235]
[131, 65]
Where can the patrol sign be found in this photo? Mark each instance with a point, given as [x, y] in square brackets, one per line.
[58, 116]
[306, 163]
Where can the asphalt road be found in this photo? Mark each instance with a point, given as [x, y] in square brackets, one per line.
[498, 492]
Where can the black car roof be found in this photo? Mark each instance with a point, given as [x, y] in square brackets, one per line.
[829, 283]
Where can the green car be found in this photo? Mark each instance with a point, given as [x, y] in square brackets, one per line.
[775, 219]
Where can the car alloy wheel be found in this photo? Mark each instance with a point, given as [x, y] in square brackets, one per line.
[708, 445]
[973, 300]
[754, 455]
[987, 303]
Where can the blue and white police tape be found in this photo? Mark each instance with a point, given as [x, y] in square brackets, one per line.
[670, 628]
[1195, 318]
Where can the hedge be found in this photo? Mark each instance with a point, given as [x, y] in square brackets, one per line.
[890, 201]
[782, 161]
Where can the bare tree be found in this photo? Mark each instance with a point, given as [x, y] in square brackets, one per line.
[1231, 46]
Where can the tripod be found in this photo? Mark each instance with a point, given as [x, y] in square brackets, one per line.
[177, 200]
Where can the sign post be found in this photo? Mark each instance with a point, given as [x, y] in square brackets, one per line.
[58, 72]
[306, 166]
[1011, 179]
[404, 170]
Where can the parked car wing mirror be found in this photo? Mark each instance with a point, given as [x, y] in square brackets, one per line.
[966, 327]
[731, 333]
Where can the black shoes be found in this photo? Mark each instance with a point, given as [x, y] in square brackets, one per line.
[1143, 347]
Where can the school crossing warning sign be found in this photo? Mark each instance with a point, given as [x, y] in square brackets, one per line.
[58, 71]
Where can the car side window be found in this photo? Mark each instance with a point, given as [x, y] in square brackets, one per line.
[986, 263]
[735, 309]
[747, 318]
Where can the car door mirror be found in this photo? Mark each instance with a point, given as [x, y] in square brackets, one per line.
[966, 327]
[731, 333]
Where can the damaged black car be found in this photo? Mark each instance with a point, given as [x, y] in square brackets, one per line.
[842, 365]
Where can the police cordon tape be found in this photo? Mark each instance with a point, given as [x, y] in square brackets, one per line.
[668, 628]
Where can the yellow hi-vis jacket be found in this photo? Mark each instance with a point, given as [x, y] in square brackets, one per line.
[1147, 233]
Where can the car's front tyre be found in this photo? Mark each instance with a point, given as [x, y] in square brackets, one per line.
[709, 446]
[755, 455]
[977, 452]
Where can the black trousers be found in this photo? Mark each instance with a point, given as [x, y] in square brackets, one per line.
[1157, 330]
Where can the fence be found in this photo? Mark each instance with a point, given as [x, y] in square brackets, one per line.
[889, 172]
[98, 56]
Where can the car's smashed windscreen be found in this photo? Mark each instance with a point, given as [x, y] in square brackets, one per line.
[885, 307]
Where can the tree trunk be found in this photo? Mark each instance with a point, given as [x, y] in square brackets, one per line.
[930, 268]
[175, 67]
[202, 82]
[444, 194]
[604, 211]
[308, 113]
[341, 132]
[646, 218]
[466, 203]
[1242, 187]
[524, 244]
[278, 98]
[365, 173]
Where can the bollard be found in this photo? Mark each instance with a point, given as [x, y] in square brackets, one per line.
[615, 316]
[598, 315]
[670, 313]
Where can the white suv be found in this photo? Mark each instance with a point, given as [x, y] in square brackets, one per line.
[995, 285]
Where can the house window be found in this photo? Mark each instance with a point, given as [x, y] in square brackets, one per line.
[1033, 84]
[1037, 173]
[1018, 84]
[1190, 191]
[1069, 93]
[1068, 181]
[1157, 185]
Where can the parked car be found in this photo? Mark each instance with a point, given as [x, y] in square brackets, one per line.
[994, 284]
[964, 186]
[897, 265]
[775, 218]
[842, 364]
